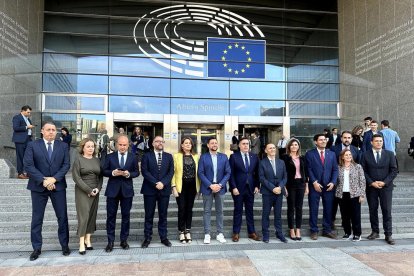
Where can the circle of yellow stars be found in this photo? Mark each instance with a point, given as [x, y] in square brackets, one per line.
[236, 46]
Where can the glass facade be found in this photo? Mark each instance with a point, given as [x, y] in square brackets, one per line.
[151, 57]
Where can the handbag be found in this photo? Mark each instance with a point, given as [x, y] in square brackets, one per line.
[234, 147]
[141, 146]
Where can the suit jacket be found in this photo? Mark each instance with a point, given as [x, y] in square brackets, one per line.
[255, 146]
[330, 143]
[206, 172]
[239, 176]
[291, 168]
[268, 179]
[19, 129]
[366, 143]
[37, 164]
[177, 179]
[151, 174]
[120, 184]
[356, 154]
[324, 174]
[385, 171]
[356, 181]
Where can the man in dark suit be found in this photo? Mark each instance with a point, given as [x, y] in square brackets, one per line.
[214, 172]
[158, 169]
[380, 170]
[273, 178]
[346, 140]
[47, 162]
[366, 142]
[333, 139]
[121, 167]
[244, 184]
[323, 174]
[22, 135]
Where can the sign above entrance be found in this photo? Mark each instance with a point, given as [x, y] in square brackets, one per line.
[159, 38]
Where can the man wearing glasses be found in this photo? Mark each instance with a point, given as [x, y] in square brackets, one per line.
[157, 169]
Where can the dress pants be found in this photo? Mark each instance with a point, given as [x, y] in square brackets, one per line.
[381, 197]
[207, 205]
[270, 201]
[296, 192]
[111, 209]
[150, 202]
[39, 201]
[350, 213]
[185, 203]
[20, 149]
[327, 201]
[246, 198]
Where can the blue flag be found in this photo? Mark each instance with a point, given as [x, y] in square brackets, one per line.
[236, 58]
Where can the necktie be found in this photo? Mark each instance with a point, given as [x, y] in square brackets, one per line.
[122, 160]
[322, 158]
[49, 150]
[159, 161]
[272, 161]
[246, 162]
[377, 157]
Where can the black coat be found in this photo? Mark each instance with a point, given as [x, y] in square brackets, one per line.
[291, 169]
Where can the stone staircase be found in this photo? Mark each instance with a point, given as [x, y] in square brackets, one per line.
[15, 215]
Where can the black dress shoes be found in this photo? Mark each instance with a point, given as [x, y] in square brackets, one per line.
[35, 254]
[389, 240]
[124, 245]
[282, 238]
[65, 251]
[373, 236]
[145, 243]
[166, 242]
[88, 247]
[82, 252]
[109, 247]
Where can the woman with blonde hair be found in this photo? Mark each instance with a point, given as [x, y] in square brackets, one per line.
[87, 174]
[185, 185]
[351, 193]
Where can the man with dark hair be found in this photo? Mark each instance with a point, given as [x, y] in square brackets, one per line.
[22, 135]
[366, 146]
[333, 138]
[244, 184]
[214, 172]
[47, 162]
[323, 174]
[380, 169]
[256, 143]
[367, 122]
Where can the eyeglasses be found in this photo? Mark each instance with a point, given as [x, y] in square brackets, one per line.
[159, 141]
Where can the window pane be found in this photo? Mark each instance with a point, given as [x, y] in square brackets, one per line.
[311, 37]
[310, 127]
[139, 104]
[75, 83]
[257, 90]
[75, 44]
[315, 56]
[140, 48]
[257, 108]
[313, 91]
[74, 103]
[312, 109]
[140, 86]
[138, 67]
[78, 6]
[72, 24]
[199, 88]
[307, 73]
[199, 107]
[75, 63]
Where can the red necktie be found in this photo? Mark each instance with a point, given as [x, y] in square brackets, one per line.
[322, 158]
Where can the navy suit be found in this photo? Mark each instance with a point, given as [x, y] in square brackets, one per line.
[38, 165]
[20, 138]
[119, 191]
[245, 180]
[269, 180]
[153, 196]
[366, 142]
[386, 171]
[323, 174]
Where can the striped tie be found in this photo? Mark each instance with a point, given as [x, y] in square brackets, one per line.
[159, 161]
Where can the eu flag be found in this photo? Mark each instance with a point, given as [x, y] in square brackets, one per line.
[236, 58]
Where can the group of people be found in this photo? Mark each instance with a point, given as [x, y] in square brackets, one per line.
[342, 175]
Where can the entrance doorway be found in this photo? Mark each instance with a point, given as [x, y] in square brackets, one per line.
[267, 134]
[200, 135]
[148, 130]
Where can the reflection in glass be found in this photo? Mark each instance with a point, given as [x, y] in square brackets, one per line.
[86, 25]
[133, 66]
[257, 90]
[308, 73]
[199, 88]
[309, 127]
[75, 83]
[74, 103]
[139, 104]
[140, 86]
[72, 63]
[312, 55]
[199, 107]
[312, 109]
[312, 91]
[257, 108]
[75, 44]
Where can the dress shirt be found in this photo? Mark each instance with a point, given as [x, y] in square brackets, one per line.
[273, 163]
[282, 144]
[243, 157]
[214, 160]
[156, 155]
[46, 143]
[296, 161]
[346, 147]
[345, 189]
[375, 154]
[29, 130]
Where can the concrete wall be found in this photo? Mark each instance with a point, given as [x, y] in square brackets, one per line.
[376, 44]
[21, 44]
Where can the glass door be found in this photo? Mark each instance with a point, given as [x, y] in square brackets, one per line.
[199, 136]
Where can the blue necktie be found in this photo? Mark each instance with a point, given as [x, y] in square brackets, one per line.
[246, 162]
[122, 160]
[378, 157]
[49, 150]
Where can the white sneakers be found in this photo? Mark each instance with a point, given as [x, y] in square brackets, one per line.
[221, 238]
[207, 239]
